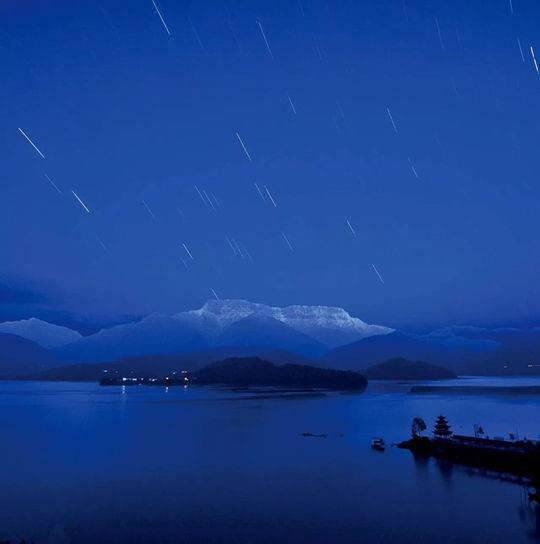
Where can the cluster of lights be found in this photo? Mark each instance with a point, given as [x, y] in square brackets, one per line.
[167, 380]
[153, 380]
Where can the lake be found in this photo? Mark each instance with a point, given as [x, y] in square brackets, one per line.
[83, 463]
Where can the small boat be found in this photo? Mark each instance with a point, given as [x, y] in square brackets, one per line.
[378, 444]
[315, 435]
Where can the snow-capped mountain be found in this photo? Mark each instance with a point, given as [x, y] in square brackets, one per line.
[307, 330]
[328, 325]
[41, 332]
[267, 332]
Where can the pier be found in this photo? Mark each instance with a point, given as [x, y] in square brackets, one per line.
[519, 458]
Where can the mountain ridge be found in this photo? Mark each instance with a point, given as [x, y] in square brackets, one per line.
[19, 355]
[305, 330]
[47, 335]
[403, 369]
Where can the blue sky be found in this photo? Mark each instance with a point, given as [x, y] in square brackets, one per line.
[125, 113]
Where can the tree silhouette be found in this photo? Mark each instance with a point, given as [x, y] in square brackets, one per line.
[442, 428]
[417, 427]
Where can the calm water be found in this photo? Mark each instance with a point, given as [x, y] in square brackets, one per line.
[81, 463]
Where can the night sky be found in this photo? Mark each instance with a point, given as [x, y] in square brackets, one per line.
[398, 137]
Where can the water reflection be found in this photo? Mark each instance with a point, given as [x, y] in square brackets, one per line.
[528, 509]
[191, 465]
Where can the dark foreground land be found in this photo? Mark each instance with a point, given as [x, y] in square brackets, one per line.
[520, 458]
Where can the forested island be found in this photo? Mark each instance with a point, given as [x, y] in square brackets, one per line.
[254, 371]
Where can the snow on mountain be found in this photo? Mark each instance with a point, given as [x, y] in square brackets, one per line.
[307, 330]
[329, 325]
[41, 332]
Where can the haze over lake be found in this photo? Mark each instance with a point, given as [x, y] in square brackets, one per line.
[83, 463]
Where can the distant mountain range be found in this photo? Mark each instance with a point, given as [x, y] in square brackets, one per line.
[160, 365]
[465, 350]
[43, 333]
[324, 336]
[327, 325]
[305, 330]
[439, 347]
[403, 369]
[21, 356]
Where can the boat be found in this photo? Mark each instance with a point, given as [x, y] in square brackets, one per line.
[378, 444]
